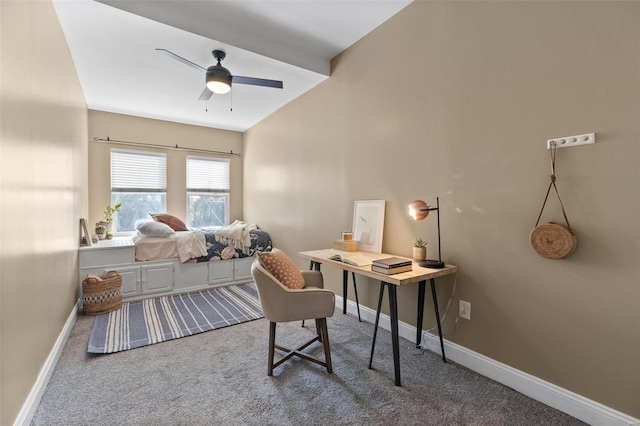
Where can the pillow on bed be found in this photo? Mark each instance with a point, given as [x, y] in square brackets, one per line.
[175, 223]
[155, 229]
[282, 268]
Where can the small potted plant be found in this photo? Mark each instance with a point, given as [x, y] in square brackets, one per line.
[419, 249]
[101, 232]
[110, 211]
[108, 216]
[109, 235]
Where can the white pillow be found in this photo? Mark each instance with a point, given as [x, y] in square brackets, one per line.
[141, 221]
[155, 229]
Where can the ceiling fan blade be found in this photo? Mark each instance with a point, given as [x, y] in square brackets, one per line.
[206, 94]
[256, 81]
[183, 60]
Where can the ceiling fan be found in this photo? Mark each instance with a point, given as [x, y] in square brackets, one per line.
[218, 79]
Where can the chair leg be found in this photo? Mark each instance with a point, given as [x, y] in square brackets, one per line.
[272, 345]
[322, 336]
[319, 329]
[325, 343]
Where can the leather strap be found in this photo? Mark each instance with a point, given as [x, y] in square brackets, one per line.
[553, 183]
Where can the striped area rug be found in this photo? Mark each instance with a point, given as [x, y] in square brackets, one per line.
[150, 321]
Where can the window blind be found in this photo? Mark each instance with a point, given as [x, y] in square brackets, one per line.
[207, 174]
[137, 171]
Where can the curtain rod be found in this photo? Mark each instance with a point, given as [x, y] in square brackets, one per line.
[152, 145]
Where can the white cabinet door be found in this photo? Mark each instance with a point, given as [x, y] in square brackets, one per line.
[156, 278]
[220, 271]
[130, 279]
[190, 275]
[242, 270]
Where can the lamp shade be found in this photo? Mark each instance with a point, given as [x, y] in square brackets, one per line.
[218, 79]
[418, 210]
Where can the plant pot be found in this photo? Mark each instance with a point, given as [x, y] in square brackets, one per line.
[102, 236]
[108, 225]
[419, 253]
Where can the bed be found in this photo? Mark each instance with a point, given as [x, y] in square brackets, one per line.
[161, 260]
[184, 245]
[165, 236]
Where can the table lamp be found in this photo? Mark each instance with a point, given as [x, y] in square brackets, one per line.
[419, 210]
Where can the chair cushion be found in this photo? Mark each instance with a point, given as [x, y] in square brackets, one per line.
[282, 268]
[175, 223]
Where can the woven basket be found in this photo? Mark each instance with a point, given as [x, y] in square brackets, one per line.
[553, 241]
[103, 296]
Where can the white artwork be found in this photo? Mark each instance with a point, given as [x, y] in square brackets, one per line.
[368, 224]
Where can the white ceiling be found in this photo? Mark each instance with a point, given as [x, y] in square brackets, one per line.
[113, 47]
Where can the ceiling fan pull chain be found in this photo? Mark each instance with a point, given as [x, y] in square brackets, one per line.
[231, 101]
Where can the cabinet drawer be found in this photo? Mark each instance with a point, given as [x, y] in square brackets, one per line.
[156, 278]
[103, 257]
[220, 271]
[242, 269]
[189, 275]
[130, 276]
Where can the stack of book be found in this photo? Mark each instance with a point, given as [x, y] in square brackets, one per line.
[391, 265]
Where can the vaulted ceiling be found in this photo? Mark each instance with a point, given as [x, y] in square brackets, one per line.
[113, 44]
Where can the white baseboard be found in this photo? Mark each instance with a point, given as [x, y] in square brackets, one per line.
[31, 404]
[561, 399]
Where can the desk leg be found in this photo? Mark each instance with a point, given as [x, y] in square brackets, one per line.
[355, 290]
[375, 328]
[421, 289]
[435, 307]
[345, 281]
[393, 309]
[345, 286]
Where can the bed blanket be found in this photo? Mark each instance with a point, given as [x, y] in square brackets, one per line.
[190, 245]
[236, 235]
[260, 241]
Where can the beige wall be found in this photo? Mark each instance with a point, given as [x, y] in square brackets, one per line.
[43, 175]
[457, 100]
[136, 129]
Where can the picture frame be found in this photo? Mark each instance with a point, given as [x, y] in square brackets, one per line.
[85, 237]
[368, 224]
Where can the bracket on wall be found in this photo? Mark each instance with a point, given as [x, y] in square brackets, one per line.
[567, 141]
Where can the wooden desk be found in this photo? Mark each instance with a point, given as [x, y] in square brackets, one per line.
[418, 276]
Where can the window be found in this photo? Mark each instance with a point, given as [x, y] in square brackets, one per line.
[207, 192]
[139, 182]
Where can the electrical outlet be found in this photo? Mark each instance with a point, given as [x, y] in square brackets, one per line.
[465, 310]
[575, 140]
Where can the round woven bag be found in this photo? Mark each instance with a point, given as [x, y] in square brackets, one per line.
[553, 241]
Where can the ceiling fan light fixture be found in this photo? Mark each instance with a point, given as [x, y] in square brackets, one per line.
[218, 79]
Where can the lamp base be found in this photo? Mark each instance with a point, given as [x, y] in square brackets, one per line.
[433, 264]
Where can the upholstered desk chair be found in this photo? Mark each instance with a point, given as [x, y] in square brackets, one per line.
[281, 303]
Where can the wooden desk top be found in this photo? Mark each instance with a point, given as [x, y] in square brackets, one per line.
[416, 275]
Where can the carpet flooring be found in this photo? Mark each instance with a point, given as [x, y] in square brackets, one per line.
[220, 378]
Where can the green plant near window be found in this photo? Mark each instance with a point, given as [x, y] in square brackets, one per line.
[101, 229]
[419, 242]
[110, 211]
